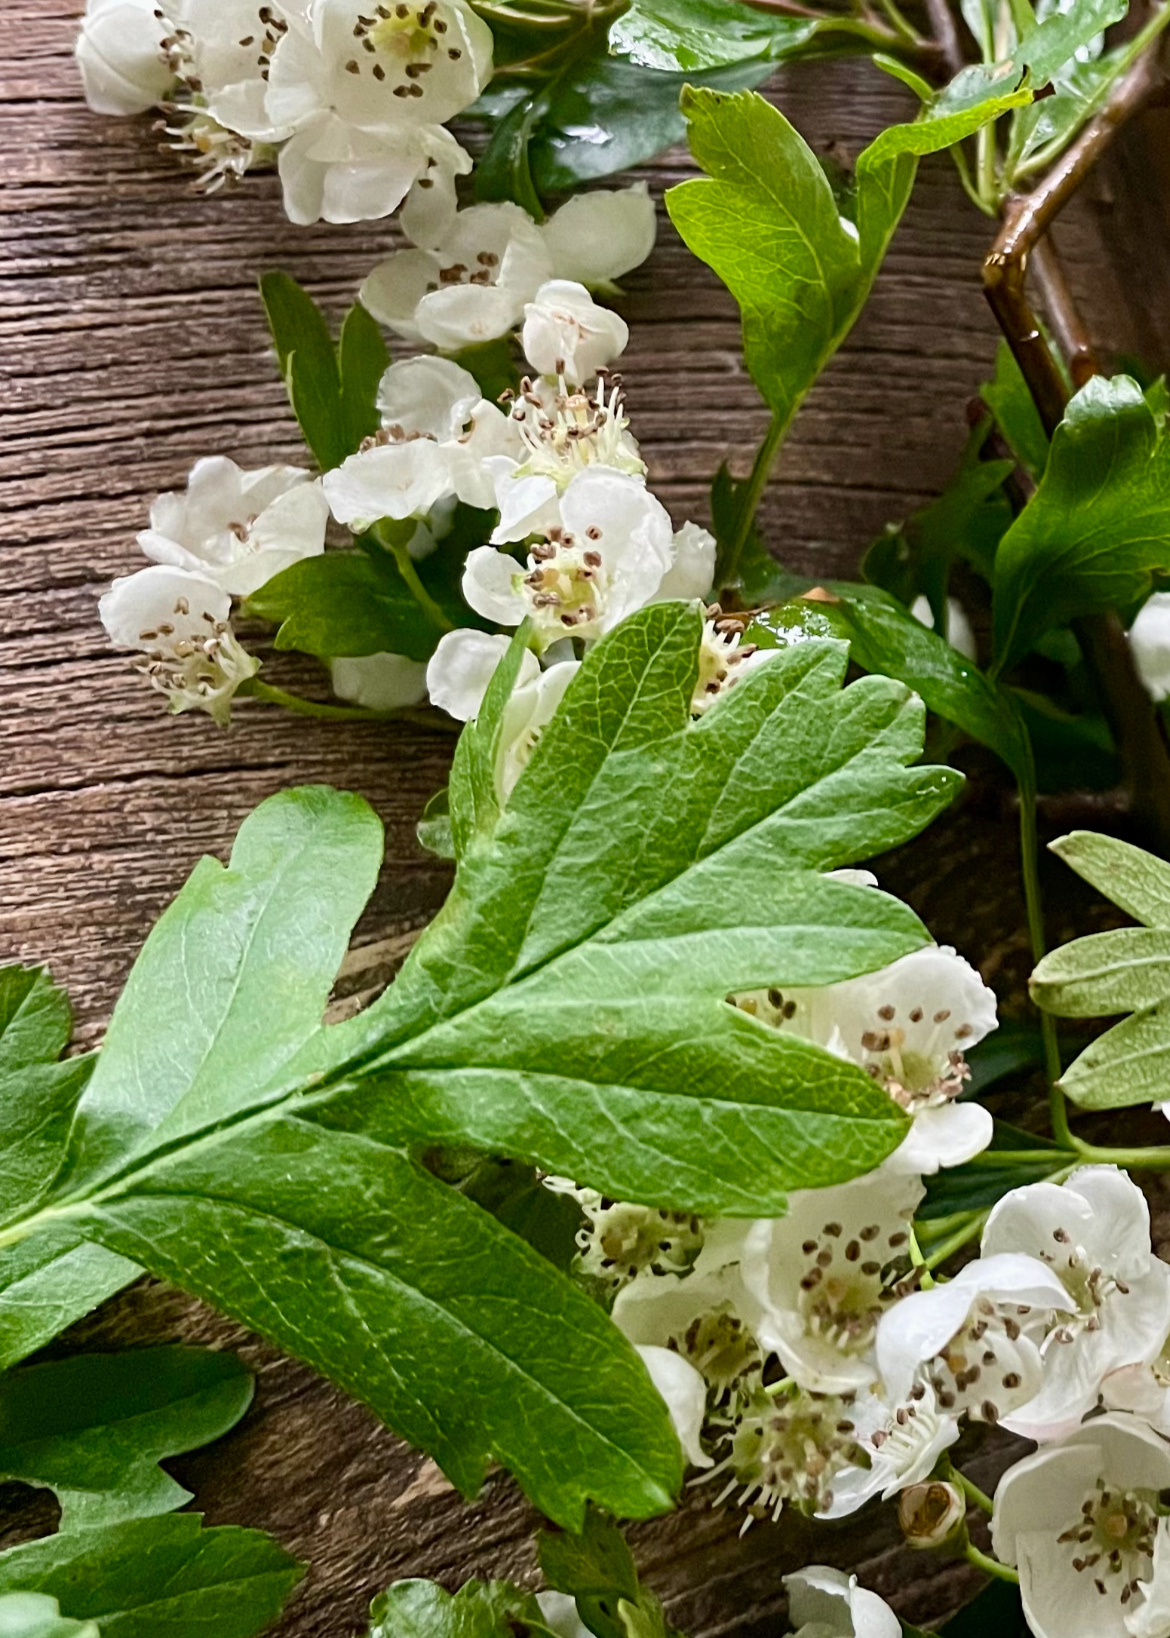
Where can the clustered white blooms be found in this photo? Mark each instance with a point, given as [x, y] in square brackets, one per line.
[555, 461]
[350, 100]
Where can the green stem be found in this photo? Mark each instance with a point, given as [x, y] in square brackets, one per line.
[901, 25]
[1030, 865]
[954, 1242]
[748, 498]
[255, 689]
[409, 573]
[920, 1262]
[972, 1491]
[1148, 1160]
[990, 1566]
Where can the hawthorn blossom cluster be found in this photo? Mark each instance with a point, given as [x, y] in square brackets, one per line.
[808, 1364]
[579, 540]
[349, 100]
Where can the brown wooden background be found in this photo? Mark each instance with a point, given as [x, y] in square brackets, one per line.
[131, 342]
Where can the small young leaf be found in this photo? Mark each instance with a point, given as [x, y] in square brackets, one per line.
[155, 1576]
[94, 1428]
[1119, 971]
[480, 1609]
[594, 1564]
[49, 1281]
[1136, 881]
[1041, 54]
[1129, 1064]
[1097, 530]
[36, 1615]
[345, 603]
[362, 358]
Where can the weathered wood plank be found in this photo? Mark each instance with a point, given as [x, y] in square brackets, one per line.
[130, 343]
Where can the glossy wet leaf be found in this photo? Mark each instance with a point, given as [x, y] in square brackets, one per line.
[93, 1428]
[1041, 54]
[1097, 531]
[149, 1577]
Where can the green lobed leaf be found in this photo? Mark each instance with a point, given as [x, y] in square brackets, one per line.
[162, 1577]
[593, 1564]
[232, 981]
[1119, 971]
[461, 1337]
[480, 1609]
[1097, 530]
[766, 220]
[37, 1093]
[344, 603]
[49, 1281]
[688, 36]
[36, 1615]
[1137, 881]
[1042, 53]
[94, 1428]
[362, 360]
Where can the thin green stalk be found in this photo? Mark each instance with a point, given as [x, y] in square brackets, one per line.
[969, 188]
[900, 23]
[255, 689]
[953, 1243]
[1030, 865]
[920, 1262]
[1148, 1160]
[990, 1566]
[748, 500]
[985, 168]
[409, 573]
[972, 1491]
[932, 1229]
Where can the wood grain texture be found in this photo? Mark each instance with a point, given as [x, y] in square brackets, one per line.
[131, 342]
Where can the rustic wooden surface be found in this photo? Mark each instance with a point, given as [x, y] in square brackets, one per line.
[132, 343]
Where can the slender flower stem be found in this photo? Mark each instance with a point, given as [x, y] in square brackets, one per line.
[1030, 865]
[255, 689]
[748, 499]
[990, 1566]
[920, 1262]
[972, 1491]
[1149, 1160]
[409, 573]
[953, 1243]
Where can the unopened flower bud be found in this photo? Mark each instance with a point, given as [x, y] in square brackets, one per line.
[933, 1515]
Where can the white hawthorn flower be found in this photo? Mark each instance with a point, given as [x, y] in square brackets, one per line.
[1143, 1390]
[418, 61]
[457, 679]
[607, 556]
[561, 433]
[336, 172]
[238, 528]
[596, 237]
[706, 1316]
[908, 1025]
[469, 287]
[567, 335]
[1093, 1233]
[902, 1441]
[1084, 1522]
[724, 658]
[223, 49]
[825, 1603]
[958, 633]
[437, 434]
[820, 1277]
[180, 624]
[125, 67]
[971, 1338]
[693, 565]
[380, 682]
[1149, 641]
[789, 1448]
[685, 1393]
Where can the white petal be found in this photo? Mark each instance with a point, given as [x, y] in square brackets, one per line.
[120, 55]
[488, 586]
[947, 1136]
[529, 710]
[527, 506]
[1100, 1207]
[392, 292]
[559, 1613]
[391, 481]
[291, 528]
[685, 1394]
[832, 1605]
[141, 602]
[1149, 639]
[567, 333]
[429, 211]
[380, 682]
[464, 664]
[466, 315]
[596, 237]
[428, 395]
[693, 569]
[958, 633]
